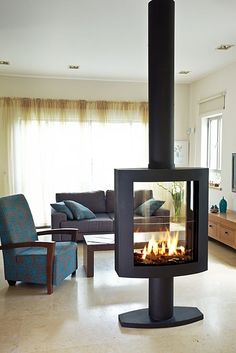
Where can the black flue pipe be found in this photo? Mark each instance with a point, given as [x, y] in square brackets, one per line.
[161, 83]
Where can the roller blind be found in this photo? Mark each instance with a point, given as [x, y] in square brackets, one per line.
[212, 104]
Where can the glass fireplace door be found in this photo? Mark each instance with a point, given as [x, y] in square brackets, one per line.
[163, 223]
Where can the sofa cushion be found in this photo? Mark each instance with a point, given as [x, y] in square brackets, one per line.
[140, 196]
[110, 201]
[94, 200]
[112, 215]
[61, 207]
[79, 211]
[162, 212]
[101, 224]
[148, 208]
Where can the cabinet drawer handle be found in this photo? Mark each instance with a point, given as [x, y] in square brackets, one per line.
[226, 233]
[210, 226]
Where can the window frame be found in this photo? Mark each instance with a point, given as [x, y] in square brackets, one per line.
[218, 119]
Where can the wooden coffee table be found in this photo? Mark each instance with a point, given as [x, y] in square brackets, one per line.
[95, 243]
[101, 243]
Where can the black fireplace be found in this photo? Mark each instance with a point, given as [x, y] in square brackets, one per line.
[161, 245]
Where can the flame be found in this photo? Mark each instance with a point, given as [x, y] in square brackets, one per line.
[167, 246]
[144, 253]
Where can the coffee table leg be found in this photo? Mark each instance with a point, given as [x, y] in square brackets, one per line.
[88, 260]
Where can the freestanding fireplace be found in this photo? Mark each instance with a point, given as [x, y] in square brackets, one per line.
[161, 245]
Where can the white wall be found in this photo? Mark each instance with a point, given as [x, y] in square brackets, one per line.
[181, 111]
[94, 90]
[72, 89]
[222, 80]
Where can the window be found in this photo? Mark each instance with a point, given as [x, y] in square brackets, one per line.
[212, 146]
[51, 157]
[214, 128]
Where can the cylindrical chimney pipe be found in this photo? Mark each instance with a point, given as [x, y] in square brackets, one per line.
[161, 83]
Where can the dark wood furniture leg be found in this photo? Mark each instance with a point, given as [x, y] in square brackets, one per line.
[88, 260]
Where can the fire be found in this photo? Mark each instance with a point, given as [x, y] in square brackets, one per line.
[166, 246]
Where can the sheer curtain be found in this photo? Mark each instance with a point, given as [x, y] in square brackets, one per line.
[61, 146]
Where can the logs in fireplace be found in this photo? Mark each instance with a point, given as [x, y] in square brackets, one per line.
[181, 248]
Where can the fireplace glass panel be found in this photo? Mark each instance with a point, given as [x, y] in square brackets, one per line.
[164, 223]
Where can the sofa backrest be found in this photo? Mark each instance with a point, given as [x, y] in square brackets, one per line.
[140, 196]
[98, 202]
[110, 201]
[94, 200]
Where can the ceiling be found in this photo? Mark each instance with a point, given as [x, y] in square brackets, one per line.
[108, 38]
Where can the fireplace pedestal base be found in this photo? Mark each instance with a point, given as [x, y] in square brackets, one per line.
[182, 315]
[161, 312]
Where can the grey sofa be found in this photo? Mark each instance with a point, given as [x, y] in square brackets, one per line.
[102, 205]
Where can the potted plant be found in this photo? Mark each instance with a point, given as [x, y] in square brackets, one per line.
[176, 191]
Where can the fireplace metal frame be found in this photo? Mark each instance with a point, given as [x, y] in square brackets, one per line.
[161, 312]
[124, 247]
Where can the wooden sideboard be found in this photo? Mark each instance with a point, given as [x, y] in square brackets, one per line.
[222, 227]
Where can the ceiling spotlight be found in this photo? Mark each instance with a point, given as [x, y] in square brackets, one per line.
[184, 72]
[73, 67]
[4, 62]
[224, 46]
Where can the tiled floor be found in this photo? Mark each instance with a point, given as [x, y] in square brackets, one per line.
[81, 315]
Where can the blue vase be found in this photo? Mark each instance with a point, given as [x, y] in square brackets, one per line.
[223, 205]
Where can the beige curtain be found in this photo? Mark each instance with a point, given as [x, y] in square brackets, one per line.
[7, 114]
[52, 109]
[15, 113]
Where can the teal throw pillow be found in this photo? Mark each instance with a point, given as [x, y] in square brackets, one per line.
[148, 208]
[79, 211]
[61, 207]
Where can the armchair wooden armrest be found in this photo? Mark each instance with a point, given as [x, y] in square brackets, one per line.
[49, 245]
[73, 231]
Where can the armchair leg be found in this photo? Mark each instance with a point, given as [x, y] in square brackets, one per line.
[50, 260]
[73, 274]
[11, 283]
[50, 288]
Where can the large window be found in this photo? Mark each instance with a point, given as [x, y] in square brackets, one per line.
[73, 156]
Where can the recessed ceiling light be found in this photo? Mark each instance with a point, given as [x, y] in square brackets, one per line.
[73, 67]
[184, 72]
[4, 62]
[224, 46]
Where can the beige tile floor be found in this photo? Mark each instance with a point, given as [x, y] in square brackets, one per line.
[81, 315]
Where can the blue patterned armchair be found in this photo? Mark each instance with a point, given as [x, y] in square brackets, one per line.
[25, 258]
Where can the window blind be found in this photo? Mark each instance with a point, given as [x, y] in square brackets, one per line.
[212, 104]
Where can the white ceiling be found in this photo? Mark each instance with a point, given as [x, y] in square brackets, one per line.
[108, 38]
